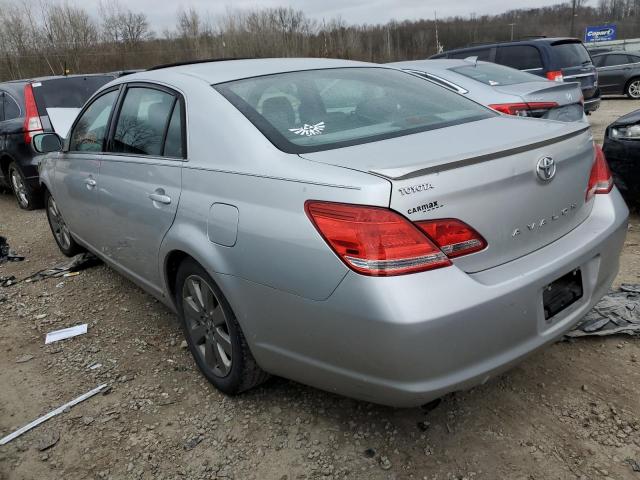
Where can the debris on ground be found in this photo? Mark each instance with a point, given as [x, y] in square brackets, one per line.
[6, 255]
[65, 333]
[47, 440]
[69, 268]
[617, 312]
[24, 358]
[52, 414]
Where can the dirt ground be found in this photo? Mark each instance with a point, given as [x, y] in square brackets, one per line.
[571, 411]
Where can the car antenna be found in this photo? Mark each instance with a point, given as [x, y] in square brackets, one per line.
[473, 59]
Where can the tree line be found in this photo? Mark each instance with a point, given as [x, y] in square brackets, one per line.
[49, 38]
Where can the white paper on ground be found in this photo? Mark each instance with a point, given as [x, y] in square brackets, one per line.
[51, 414]
[65, 333]
[61, 119]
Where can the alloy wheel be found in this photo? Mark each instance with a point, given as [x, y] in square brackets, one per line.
[207, 325]
[634, 89]
[19, 189]
[58, 225]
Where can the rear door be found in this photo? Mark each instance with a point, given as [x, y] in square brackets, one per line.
[140, 179]
[612, 73]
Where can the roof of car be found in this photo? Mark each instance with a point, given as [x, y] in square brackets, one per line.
[227, 70]
[56, 77]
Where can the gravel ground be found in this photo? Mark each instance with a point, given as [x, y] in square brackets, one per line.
[569, 412]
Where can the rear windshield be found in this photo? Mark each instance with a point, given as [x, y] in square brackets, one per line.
[494, 75]
[570, 55]
[67, 92]
[323, 109]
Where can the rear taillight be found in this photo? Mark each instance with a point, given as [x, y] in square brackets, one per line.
[555, 75]
[375, 241]
[523, 109]
[600, 180]
[32, 124]
[454, 237]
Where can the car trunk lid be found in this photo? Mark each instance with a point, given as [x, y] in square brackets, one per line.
[487, 181]
[566, 95]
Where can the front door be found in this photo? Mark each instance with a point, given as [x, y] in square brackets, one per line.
[140, 180]
[77, 170]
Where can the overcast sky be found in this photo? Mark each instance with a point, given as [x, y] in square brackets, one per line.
[161, 13]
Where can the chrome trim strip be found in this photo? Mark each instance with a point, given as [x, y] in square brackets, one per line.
[580, 75]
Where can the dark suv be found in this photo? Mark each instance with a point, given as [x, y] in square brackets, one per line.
[559, 59]
[32, 106]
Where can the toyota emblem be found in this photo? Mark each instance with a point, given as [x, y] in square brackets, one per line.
[546, 169]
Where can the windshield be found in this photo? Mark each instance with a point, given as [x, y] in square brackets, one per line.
[570, 55]
[494, 75]
[67, 92]
[322, 109]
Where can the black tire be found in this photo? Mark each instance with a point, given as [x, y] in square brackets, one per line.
[632, 89]
[243, 372]
[67, 245]
[27, 198]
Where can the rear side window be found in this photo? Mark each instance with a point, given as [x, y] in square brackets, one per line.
[495, 75]
[323, 109]
[11, 108]
[89, 132]
[482, 54]
[173, 144]
[616, 59]
[568, 55]
[522, 57]
[142, 121]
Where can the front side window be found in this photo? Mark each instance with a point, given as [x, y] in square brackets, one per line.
[495, 75]
[142, 121]
[91, 129]
[323, 109]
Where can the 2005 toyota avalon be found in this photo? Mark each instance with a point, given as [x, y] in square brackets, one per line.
[346, 225]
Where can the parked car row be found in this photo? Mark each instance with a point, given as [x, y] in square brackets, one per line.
[366, 230]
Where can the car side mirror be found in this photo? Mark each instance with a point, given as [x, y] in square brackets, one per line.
[47, 142]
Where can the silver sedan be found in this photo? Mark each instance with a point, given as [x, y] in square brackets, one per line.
[346, 225]
[504, 89]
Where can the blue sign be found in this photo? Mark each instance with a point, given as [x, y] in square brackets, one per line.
[600, 33]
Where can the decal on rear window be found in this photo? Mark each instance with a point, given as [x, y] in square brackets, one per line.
[309, 130]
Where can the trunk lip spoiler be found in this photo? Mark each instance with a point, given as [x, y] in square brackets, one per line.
[481, 158]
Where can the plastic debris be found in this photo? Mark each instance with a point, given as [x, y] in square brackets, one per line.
[65, 333]
[51, 414]
[6, 255]
[78, 263]
[617, 312]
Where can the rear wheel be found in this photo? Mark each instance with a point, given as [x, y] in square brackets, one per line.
[212, 332]
[60, 230]
[633, 88]
[27, 198]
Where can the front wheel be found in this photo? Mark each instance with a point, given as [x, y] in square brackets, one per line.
[212, 332]
[60, 230]
[633, 89]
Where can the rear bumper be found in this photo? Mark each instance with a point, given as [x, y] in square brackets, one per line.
[591, 105]
[406, 340]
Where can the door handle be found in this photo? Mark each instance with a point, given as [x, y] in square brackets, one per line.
[90, 182]
[160, 198]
